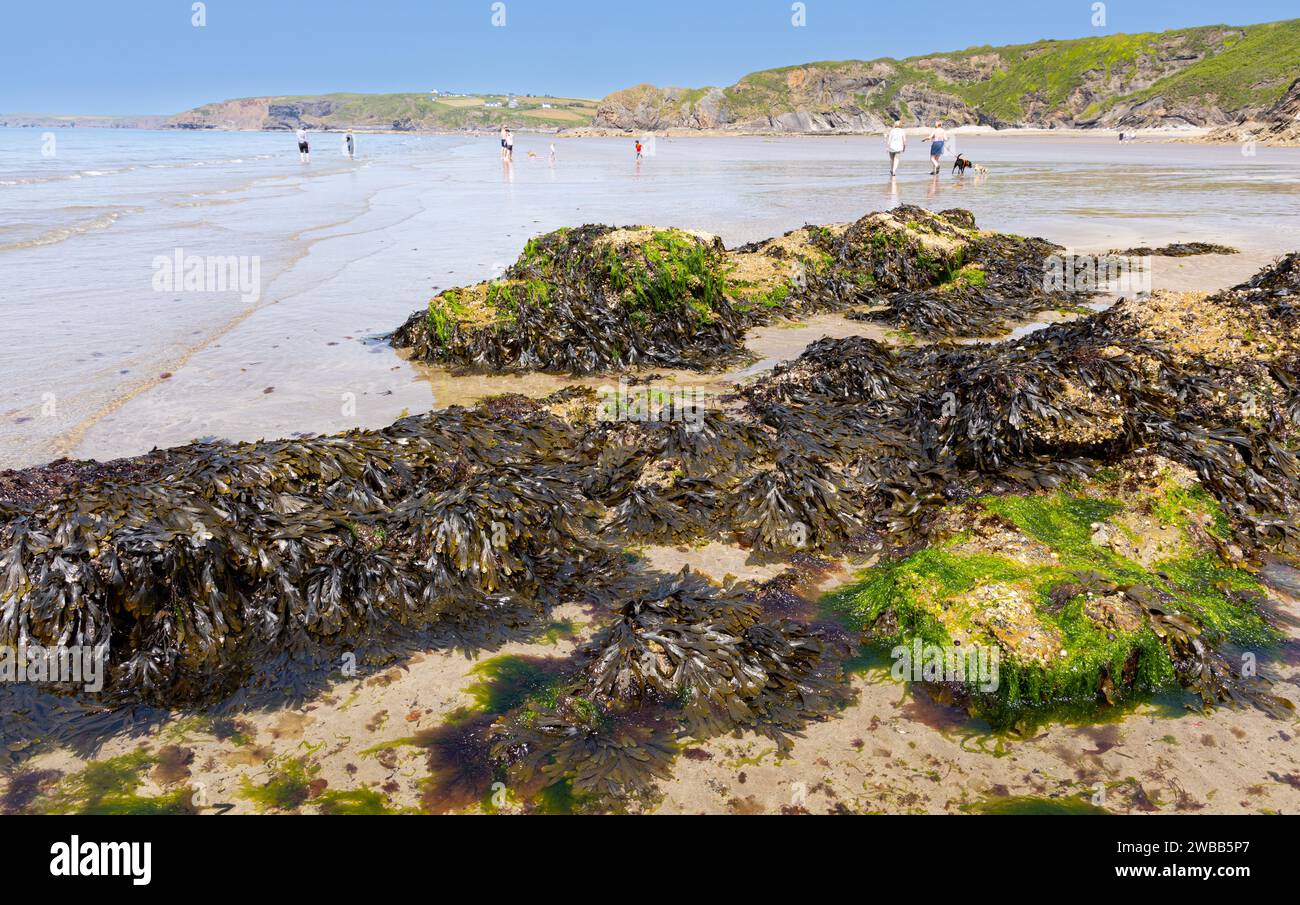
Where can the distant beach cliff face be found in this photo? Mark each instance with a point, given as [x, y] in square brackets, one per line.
[1200, 77]
[432, 112]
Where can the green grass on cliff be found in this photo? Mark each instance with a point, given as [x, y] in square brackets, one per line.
[420, 111]
[1235, 68]
[1253, 71]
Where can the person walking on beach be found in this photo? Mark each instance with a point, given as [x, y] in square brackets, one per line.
[640, 150]
[350, 144]
[896, 142]
[510, 146]
[938, 138]
[304, 149]
[551, 156]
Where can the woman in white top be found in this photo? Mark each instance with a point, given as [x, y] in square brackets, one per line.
[896, 142]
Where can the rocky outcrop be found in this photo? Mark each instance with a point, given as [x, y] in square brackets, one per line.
[1279, 125]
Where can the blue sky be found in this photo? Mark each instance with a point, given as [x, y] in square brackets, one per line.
[144, 56]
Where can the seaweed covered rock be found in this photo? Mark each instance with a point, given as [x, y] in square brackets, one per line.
[1113, 588]
[1179, 250]
[241, 552]
[997, 281]
[586, 300]
[599, 298]
[681, 658]
[1281, 280]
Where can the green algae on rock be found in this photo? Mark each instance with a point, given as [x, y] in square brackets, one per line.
[1109, 589]
[586, 300]
[599, 298]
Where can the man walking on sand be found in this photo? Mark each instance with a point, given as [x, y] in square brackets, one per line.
[510, 146]
[896, 142]
[938, 138]
[304, 149]
[350, 143]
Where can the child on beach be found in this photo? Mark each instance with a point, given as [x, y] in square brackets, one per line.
[639, 150]
[938, 138]
[304, 149]
[350, 144]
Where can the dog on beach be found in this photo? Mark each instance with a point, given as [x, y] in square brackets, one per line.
[963, 164]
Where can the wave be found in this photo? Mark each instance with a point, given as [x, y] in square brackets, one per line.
[63, 233]
[12, 181]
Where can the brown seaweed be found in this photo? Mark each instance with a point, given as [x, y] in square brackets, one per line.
[235, 561]
[680, 658]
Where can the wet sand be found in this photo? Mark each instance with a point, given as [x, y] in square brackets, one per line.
[893, 750]
[110, 367]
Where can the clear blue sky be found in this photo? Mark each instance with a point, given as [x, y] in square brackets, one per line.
[143, 56]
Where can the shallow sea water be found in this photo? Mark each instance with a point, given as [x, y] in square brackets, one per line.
[99, 362]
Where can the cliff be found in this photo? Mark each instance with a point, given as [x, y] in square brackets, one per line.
[1197, 77]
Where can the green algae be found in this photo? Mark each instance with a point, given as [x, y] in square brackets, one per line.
[288, 789]
[356, 802]
[561, 799]
[676, 270]
[939, 596]
[110, 787]
[1201, 584]
[508, 681]
[1032, 805]
[560, 630]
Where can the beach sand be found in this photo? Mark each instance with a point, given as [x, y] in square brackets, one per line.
[893, 750]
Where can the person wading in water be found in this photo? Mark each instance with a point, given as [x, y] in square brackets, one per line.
[938, 138]
[896, 143]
